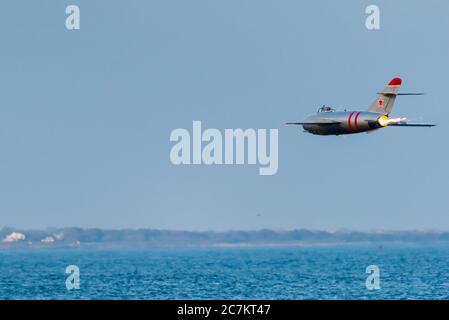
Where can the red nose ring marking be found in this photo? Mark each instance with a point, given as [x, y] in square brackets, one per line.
[349, 120]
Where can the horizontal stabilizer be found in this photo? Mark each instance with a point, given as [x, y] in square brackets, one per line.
[402, 94]
[412, 124]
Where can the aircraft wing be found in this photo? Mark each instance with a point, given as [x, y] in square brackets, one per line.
[321, 122]
[405, 124]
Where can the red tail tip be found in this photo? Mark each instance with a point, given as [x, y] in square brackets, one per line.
[395, 82]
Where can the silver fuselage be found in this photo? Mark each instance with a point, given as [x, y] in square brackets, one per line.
[346, 122]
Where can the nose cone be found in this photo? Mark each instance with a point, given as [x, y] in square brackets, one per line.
[309, 119]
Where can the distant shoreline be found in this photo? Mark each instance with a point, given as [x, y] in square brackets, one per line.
[13, 238]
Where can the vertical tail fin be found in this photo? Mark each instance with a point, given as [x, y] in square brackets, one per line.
[385, 100]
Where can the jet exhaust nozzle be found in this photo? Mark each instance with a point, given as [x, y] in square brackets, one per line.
[384, 120]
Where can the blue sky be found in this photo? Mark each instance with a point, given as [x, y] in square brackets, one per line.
[86, 115]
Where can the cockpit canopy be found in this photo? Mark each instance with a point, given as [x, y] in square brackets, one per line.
[325, 109]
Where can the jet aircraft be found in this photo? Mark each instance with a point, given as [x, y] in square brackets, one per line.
[327, 121]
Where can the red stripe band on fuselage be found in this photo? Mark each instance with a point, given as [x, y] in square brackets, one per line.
[356, 125]
[349, 120]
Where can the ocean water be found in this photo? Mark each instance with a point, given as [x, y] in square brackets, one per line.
[332, 272]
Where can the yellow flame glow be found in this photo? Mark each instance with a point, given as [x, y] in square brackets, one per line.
[385, 121]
